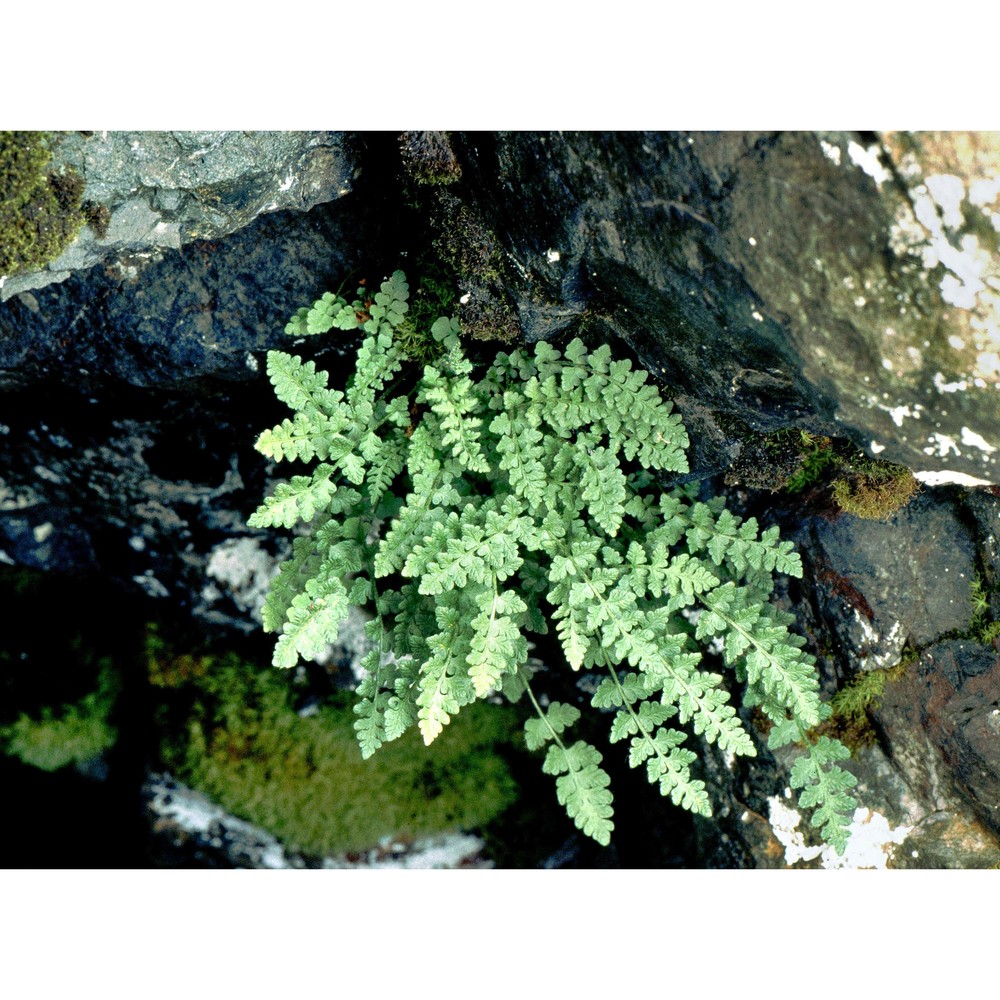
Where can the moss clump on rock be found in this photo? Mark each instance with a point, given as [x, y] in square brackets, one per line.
[429, 158]
[299, 773]
[874, 490]
[41, 209]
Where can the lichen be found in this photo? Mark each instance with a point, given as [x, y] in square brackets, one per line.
[42, 210]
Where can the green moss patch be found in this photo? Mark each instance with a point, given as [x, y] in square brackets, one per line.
[874, 490]
[41, 210]
[73, 734]
[297, 771]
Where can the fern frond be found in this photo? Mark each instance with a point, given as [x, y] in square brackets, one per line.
[582, 787]
[298, 500]
[445, 685]
[824, 789]
[312, 622]
[463, 508]
[498, 648]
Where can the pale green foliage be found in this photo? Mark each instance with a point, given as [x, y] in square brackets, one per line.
[469, 512]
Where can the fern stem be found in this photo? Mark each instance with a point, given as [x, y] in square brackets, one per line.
[542, 715]
[646, 735]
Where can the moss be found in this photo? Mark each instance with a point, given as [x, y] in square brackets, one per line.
[816, 455]
[851, 707]
[429, 158]
[41, 210]
[874, 490]
[74, 734]
[434, 297]
[982, 628]
[465, 245]
[300, 773]
[97, 217]
[764, 461]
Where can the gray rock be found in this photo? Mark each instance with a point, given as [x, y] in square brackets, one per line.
[163, 190]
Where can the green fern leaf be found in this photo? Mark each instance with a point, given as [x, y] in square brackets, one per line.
[583, 788]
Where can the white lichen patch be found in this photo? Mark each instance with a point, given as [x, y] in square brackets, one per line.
[884, 651]
[869, 844]
[244, 570]
[928, 225]
[452, 850]
[941, 445]
[868, 161]
[975, 440]
[830, 151]
[151, 586]
[42, 531]
[984, 191]
[947, 477]
[897, 413]
[949, 192]
[784, 824]
[942, 386]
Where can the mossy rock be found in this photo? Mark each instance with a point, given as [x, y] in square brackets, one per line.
[42, 210]
[300, 774]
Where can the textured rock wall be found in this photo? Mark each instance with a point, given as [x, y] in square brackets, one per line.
[841, 283]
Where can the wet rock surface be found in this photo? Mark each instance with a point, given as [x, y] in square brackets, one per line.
[833, 282]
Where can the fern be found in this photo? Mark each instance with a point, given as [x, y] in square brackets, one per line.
[470, 512]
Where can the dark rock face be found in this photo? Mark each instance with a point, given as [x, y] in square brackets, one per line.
[837, 281]
[952, 697]
[126, 440]
[915, 572]
[832, 282]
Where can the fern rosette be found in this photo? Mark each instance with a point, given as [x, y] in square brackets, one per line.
[469, 513]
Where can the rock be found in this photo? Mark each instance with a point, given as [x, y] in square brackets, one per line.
[941, 721]
[881, 584]
[836, 281]
[126, 439]
[948, 840]
[162, 190]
